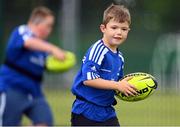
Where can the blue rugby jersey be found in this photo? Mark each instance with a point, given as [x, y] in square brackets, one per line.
[99, 62]
[27, 60]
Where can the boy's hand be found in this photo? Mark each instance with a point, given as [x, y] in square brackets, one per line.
[126, 88]
[58, 53]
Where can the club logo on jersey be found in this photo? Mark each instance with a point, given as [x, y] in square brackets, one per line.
[93, 68]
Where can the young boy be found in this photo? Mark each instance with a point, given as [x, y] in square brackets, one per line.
[21, 73]
[101, 70]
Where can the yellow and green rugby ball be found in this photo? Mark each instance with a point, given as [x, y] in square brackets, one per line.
[57, 66]
[145, 83]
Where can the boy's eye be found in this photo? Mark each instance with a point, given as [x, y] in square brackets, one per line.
[125, 29]
[113, 27]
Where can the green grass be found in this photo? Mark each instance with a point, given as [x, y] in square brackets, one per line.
[159, 109]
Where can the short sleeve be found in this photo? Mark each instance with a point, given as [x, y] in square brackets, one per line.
[21, 35]
[90, 71]
[93, 61]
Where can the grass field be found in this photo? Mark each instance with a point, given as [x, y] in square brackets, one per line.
[159, 109]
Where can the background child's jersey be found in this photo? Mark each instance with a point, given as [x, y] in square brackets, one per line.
[23, 68]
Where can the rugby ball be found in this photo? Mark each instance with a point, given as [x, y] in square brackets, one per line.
[55, 65]
[145, 83]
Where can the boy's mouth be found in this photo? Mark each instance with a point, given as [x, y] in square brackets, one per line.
[117, 38]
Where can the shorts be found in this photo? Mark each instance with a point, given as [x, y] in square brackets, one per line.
[19, 104]
[80, 120]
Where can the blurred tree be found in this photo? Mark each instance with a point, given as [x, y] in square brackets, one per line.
[163, 11]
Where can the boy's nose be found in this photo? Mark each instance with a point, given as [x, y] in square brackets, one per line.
[119, 32]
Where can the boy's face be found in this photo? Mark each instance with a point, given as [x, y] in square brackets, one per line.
[45, 27]
[114, 33]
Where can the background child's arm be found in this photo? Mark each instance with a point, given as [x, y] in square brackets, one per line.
[122, 86]
[40, 45]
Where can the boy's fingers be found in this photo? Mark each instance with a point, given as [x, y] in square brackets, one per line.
[130, 93]
[134, 92]
[133, 87]
[126, 94]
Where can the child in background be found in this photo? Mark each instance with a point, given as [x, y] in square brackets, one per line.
[21, 74]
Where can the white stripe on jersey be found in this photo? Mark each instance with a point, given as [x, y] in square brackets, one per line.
[25, 37]
[96, 75]
[122, 58]
[2, 107]
[97, 50]
[22, 29]
[25, 32]
[89, 75]
[92, 50]
[120, 55]
[102, 48]
[92, 76]
[102, 56]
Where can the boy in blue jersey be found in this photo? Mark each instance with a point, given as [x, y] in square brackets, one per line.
[21, 74]
[101, 70]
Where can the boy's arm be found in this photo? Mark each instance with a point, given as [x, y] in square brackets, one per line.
[122, 86]
[40, 45]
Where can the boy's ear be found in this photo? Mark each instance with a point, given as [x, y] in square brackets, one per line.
[102, 28]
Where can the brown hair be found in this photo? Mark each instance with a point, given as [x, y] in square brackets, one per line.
[39, 13]
[117, 12]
